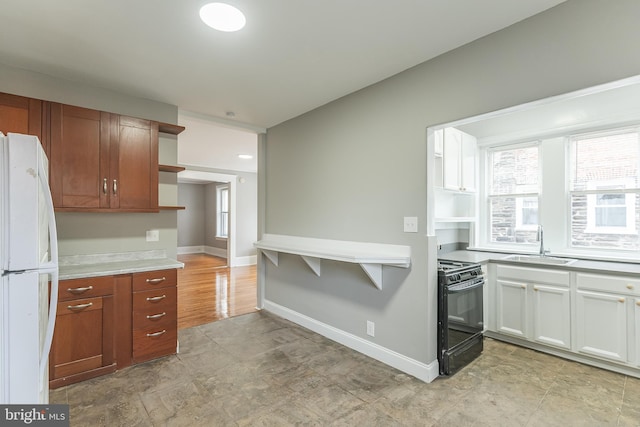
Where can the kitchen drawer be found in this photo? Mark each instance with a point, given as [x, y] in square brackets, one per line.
[149, 302]
[154, 279]
[158, 320]
[85, 288]
[81, 305]
[616, 284]
[154, 342]
[531, 275]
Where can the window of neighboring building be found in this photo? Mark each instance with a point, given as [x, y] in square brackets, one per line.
[513, 194]
[604, 189]
[222, 207]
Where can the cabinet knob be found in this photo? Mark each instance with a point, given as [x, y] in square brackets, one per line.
[115, 186]
[535, 288]
[620, 299]
[523, 286]
[104, 186]
[638, 303]
[630, 286]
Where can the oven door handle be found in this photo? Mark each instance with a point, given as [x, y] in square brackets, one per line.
[458, 287]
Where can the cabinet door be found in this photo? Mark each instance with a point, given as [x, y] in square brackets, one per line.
[636, 309]
[468, 149]
[551, 316]
[452, 146]
[602, 325]
[20, 115]
[79, 157]
[511, 308]
[134, 164]
[83, 339]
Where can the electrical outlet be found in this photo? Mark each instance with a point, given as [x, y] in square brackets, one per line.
[371, 328]
[153, 235]
[410, 224]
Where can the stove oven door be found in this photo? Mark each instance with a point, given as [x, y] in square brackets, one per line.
[464, 311]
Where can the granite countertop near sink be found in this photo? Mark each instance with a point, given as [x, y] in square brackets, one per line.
[82, 266]
[592, 266]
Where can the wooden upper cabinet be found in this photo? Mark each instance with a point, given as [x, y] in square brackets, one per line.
[102, 161]
[22, 115]
[79, 157]
[134, 163]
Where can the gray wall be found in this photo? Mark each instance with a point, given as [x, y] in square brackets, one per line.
[353, 168]
[88, 233]
[191, 220]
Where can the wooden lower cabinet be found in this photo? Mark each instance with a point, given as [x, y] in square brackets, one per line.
[83, 340]
[155, 317]
[107, 323]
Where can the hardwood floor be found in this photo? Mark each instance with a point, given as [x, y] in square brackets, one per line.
[210, 291]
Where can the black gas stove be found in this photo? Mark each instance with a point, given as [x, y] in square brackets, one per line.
[460, 314]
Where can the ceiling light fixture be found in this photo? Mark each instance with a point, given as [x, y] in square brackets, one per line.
[222, 17]
[245, 156]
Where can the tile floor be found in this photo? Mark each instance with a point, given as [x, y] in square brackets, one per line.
[260, 370]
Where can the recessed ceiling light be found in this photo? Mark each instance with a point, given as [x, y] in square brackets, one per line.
[245, 156]
[222, 17]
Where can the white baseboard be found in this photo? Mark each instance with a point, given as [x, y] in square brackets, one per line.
[219, 252]
[182, 250]
[244, 260]
[422, 371]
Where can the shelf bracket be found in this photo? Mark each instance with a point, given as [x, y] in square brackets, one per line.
[272, 255]
[374, 271]
[313, 263]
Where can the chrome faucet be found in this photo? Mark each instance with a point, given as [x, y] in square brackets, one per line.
[540, 239]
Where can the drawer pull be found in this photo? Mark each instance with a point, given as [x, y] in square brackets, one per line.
[638, 303]
[156, 281]
[630, 286]
[154, 299]
[79, 306]
[156, 316]
[79, 290]
[620, 299]
[157, 334]
[523, 286]
[535, 288]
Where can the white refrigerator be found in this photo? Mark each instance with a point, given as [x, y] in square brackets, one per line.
[29, 261]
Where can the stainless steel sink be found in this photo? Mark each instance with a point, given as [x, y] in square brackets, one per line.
[537, 259]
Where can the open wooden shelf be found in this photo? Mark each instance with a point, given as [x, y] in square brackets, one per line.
[169, 168]
[170, 129]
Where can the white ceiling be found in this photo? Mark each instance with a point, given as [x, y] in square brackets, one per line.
[292, 56]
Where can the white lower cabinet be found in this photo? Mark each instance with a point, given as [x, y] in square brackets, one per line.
[636, 311]
[512, 305]
[551, 315]
[534, 304]
[601, 325]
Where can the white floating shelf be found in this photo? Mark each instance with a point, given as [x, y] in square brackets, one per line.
[370, 256]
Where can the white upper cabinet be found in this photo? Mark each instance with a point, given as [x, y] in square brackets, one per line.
[459, 161]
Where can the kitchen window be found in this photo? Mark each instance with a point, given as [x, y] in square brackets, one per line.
[604, 189]
[513, 194]
[222, 208]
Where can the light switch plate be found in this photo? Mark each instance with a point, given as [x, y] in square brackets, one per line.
[153, 235]
[410, 224]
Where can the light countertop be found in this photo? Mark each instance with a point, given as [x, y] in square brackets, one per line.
[82, 266]
[592, 266]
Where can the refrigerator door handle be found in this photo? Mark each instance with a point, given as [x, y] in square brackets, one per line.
[50, 267]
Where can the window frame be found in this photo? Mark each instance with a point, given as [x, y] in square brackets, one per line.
[222, 216]
[519, 197]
